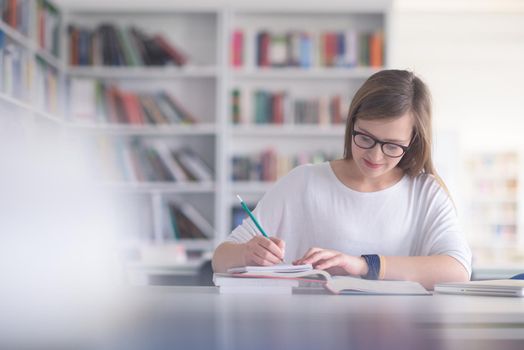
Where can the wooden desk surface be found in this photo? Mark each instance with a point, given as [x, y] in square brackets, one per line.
[199, 317]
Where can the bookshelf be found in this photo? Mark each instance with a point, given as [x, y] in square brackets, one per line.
[197, 34]
[30, 66]
[204, 84]
[299, 85]
[494, 210]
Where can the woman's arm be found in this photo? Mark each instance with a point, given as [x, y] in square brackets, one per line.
[227, 255]
[427, 270]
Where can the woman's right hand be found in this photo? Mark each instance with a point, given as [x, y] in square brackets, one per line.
[263, 251]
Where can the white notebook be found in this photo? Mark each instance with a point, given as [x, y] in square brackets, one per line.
[281, 268]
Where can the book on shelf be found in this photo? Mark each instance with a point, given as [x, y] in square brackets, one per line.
[237, 48]
[187, 222]
[493, 196]
[268, 165]
[138, 161]
[110, 45]
[280, 107]
[193, 164]
[334, 284]
[46, 87]
[349, 48]
[95, 101]
[16, 69]
[48, 27]
[17, 14]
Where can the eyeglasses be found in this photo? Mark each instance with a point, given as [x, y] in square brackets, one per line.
[389, 149]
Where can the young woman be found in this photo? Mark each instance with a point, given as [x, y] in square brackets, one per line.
[381, 212]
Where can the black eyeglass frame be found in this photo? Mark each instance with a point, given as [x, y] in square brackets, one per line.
[381, 143]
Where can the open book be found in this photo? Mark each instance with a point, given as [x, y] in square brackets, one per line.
[335, 284]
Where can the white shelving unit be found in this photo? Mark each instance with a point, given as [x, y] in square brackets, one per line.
[204, 86]
[29, 45]
[198, 85]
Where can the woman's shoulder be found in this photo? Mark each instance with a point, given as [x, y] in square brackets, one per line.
[305, 171]
[429, 186]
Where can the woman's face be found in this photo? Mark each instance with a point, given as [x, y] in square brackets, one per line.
[372, 162]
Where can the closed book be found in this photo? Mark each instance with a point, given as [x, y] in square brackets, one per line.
[364, 41]
[82, 94]
[194, 164]
[376, 50]
[153, 110]
[171, 164]
[132, 109]
[235, 106]
[237, 48]
[166, 108]
[352, 49]
[221, 280]
[293, 48]
[191, 224]
[256, 290]
[341, 50]
[182, 112]
[162, 173]
[136, 40]
[174, 53]
[278, 50]
[306, 51]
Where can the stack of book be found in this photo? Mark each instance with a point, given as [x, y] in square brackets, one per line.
[270, 166]
[187, 223]
[230, 283]
[302, 49]
[154, 162]
[109, 45]
[268, 107]
[95, 101]
[16, 13]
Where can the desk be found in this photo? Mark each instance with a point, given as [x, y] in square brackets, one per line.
[200, 318]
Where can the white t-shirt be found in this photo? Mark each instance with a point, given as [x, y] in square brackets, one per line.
[311, 207]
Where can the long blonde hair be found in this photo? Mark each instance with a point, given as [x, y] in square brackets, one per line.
[391, 94]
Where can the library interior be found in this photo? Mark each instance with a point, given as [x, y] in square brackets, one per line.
[130, 129]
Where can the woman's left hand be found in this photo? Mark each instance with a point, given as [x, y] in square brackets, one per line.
[336, 263]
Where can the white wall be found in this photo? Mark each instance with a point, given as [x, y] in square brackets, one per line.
[471, 56]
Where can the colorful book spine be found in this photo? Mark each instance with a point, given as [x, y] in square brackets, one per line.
[97, 102]
[301, 49]
[237, 48]
[151, 162]
[269, 165]
[48, 27]
[110, 45]
[270, 107]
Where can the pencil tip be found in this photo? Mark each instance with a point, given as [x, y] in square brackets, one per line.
[240, 199]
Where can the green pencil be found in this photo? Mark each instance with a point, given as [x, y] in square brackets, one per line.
[246, 209]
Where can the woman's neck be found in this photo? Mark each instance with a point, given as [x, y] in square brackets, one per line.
[349, 174]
